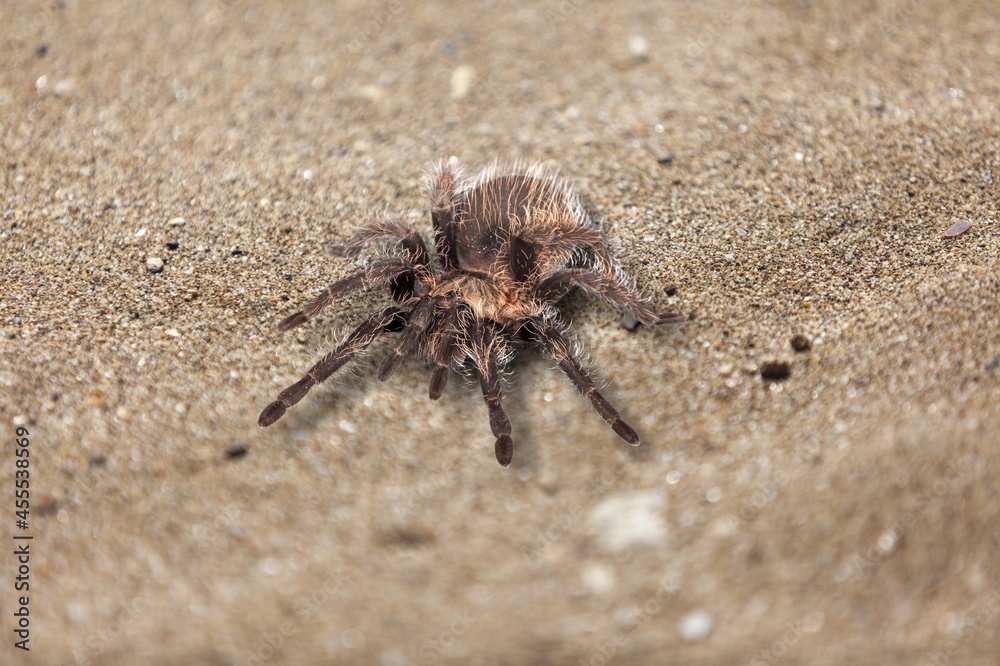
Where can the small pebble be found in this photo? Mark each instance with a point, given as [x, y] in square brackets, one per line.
[629, 322]
[461, 81]
[598, 578]
[154, 264]
[801, 343]
[638, 47]
[177, 222]
[173, 245]
[236, 451]
[625, 521]
[958, 228]
[696, 625]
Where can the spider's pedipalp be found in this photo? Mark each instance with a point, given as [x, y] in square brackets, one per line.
[377, 273]
[355, 343]
[555, 345]
[440, 347]
[417, 323]
[484, 353]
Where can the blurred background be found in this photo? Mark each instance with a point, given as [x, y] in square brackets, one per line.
[817, 481]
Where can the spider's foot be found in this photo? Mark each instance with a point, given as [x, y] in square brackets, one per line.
[626, 432]
[504, 450]
[271, 413]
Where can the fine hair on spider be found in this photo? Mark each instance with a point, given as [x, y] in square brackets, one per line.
[509, 244]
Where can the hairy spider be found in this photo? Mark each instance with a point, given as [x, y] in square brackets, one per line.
[511, 242]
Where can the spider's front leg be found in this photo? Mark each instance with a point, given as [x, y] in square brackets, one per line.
[555, 286]
[391, 231]
[381, 322]
[377, 273]
[443, 197]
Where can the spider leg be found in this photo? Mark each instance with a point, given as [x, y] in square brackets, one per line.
[443, 194]
[388, 231]
[484, 353]
[442, 349]
[381, 271]
[564, 240]
[555, 345]
[354, 344]
[555, 286]
[417, 323]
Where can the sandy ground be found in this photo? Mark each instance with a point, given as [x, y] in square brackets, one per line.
[779, 169]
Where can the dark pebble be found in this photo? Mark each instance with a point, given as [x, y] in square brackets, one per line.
[775, 371]
[801, 343]
[236, 451]
[98, 460]
[173, 245]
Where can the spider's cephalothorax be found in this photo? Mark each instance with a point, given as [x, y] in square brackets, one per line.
[510, 243]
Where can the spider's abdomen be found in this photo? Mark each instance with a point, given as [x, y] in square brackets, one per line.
[491, 219]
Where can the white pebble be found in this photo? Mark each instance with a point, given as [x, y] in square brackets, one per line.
[461, 81]
[696, 625]
[598, 578]
[622, 522]
[154, 264]
[177, 222]
[638, 47]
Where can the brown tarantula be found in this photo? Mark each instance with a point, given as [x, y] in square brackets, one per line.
[511, 242]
